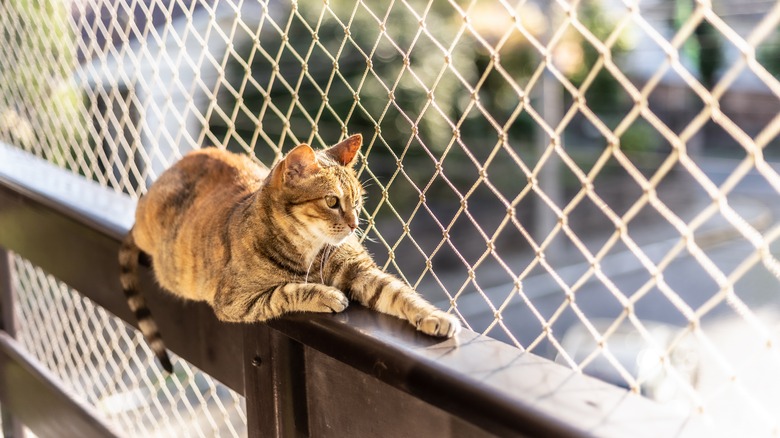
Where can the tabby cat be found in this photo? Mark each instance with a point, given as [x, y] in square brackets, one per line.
[257, 243]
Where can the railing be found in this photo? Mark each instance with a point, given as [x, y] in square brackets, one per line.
[595, 182]
[355, 374]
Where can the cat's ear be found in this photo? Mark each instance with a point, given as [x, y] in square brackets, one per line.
[299, 163]
[345, 153]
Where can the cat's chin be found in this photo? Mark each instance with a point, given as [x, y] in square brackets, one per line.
[338, 241]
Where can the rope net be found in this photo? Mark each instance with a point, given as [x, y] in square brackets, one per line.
[593, 181]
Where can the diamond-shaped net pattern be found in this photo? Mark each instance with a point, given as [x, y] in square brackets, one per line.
[109, 365]
[594, 181]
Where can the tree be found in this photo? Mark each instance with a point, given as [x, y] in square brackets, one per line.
[40, 107]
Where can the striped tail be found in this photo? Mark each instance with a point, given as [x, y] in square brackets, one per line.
[128, 277]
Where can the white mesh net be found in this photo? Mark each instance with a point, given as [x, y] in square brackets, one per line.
[593, 181]
[115, 370]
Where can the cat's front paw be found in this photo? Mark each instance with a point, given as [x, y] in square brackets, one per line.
[438, 323]
[328, 300]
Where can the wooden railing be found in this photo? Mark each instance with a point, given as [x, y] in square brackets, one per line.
[358, 373]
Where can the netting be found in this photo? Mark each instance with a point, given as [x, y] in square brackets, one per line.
[109, 365]
[593, 181]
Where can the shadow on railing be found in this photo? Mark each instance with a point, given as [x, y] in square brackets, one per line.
[358, 373]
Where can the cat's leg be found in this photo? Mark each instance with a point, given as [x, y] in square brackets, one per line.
[244, 305]
[385, 293]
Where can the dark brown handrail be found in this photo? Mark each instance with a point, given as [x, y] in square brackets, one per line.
[71, 228]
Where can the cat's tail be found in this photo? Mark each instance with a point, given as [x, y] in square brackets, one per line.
[128, 277]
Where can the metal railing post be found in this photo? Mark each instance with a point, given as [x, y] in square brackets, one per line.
[11, 426]
[275, 384]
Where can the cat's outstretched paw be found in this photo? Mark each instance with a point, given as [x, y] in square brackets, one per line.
[438, 323]
[329, 300]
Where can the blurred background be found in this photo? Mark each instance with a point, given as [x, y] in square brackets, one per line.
[592, 181]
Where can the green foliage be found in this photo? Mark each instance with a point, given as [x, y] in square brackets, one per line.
[768, 54]
[640, 137]
[423, 86]
[604, 92]
[394, 98]
[39, 33]
[704, 48]
[38, 105]
[411, 87]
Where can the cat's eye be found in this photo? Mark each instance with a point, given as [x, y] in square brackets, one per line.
[331, 201]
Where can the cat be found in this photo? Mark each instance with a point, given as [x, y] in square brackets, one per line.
[256, 243]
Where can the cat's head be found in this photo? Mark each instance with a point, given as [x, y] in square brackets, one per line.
[319, 190]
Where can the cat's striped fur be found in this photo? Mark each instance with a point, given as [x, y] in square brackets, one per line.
[257, 243]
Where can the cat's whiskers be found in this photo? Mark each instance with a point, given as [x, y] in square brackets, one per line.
[308, 270]
[306, 278]
[325, 256]
[316, 248]
[361, 233]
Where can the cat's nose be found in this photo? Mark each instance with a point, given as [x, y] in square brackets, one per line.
[351, 220]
